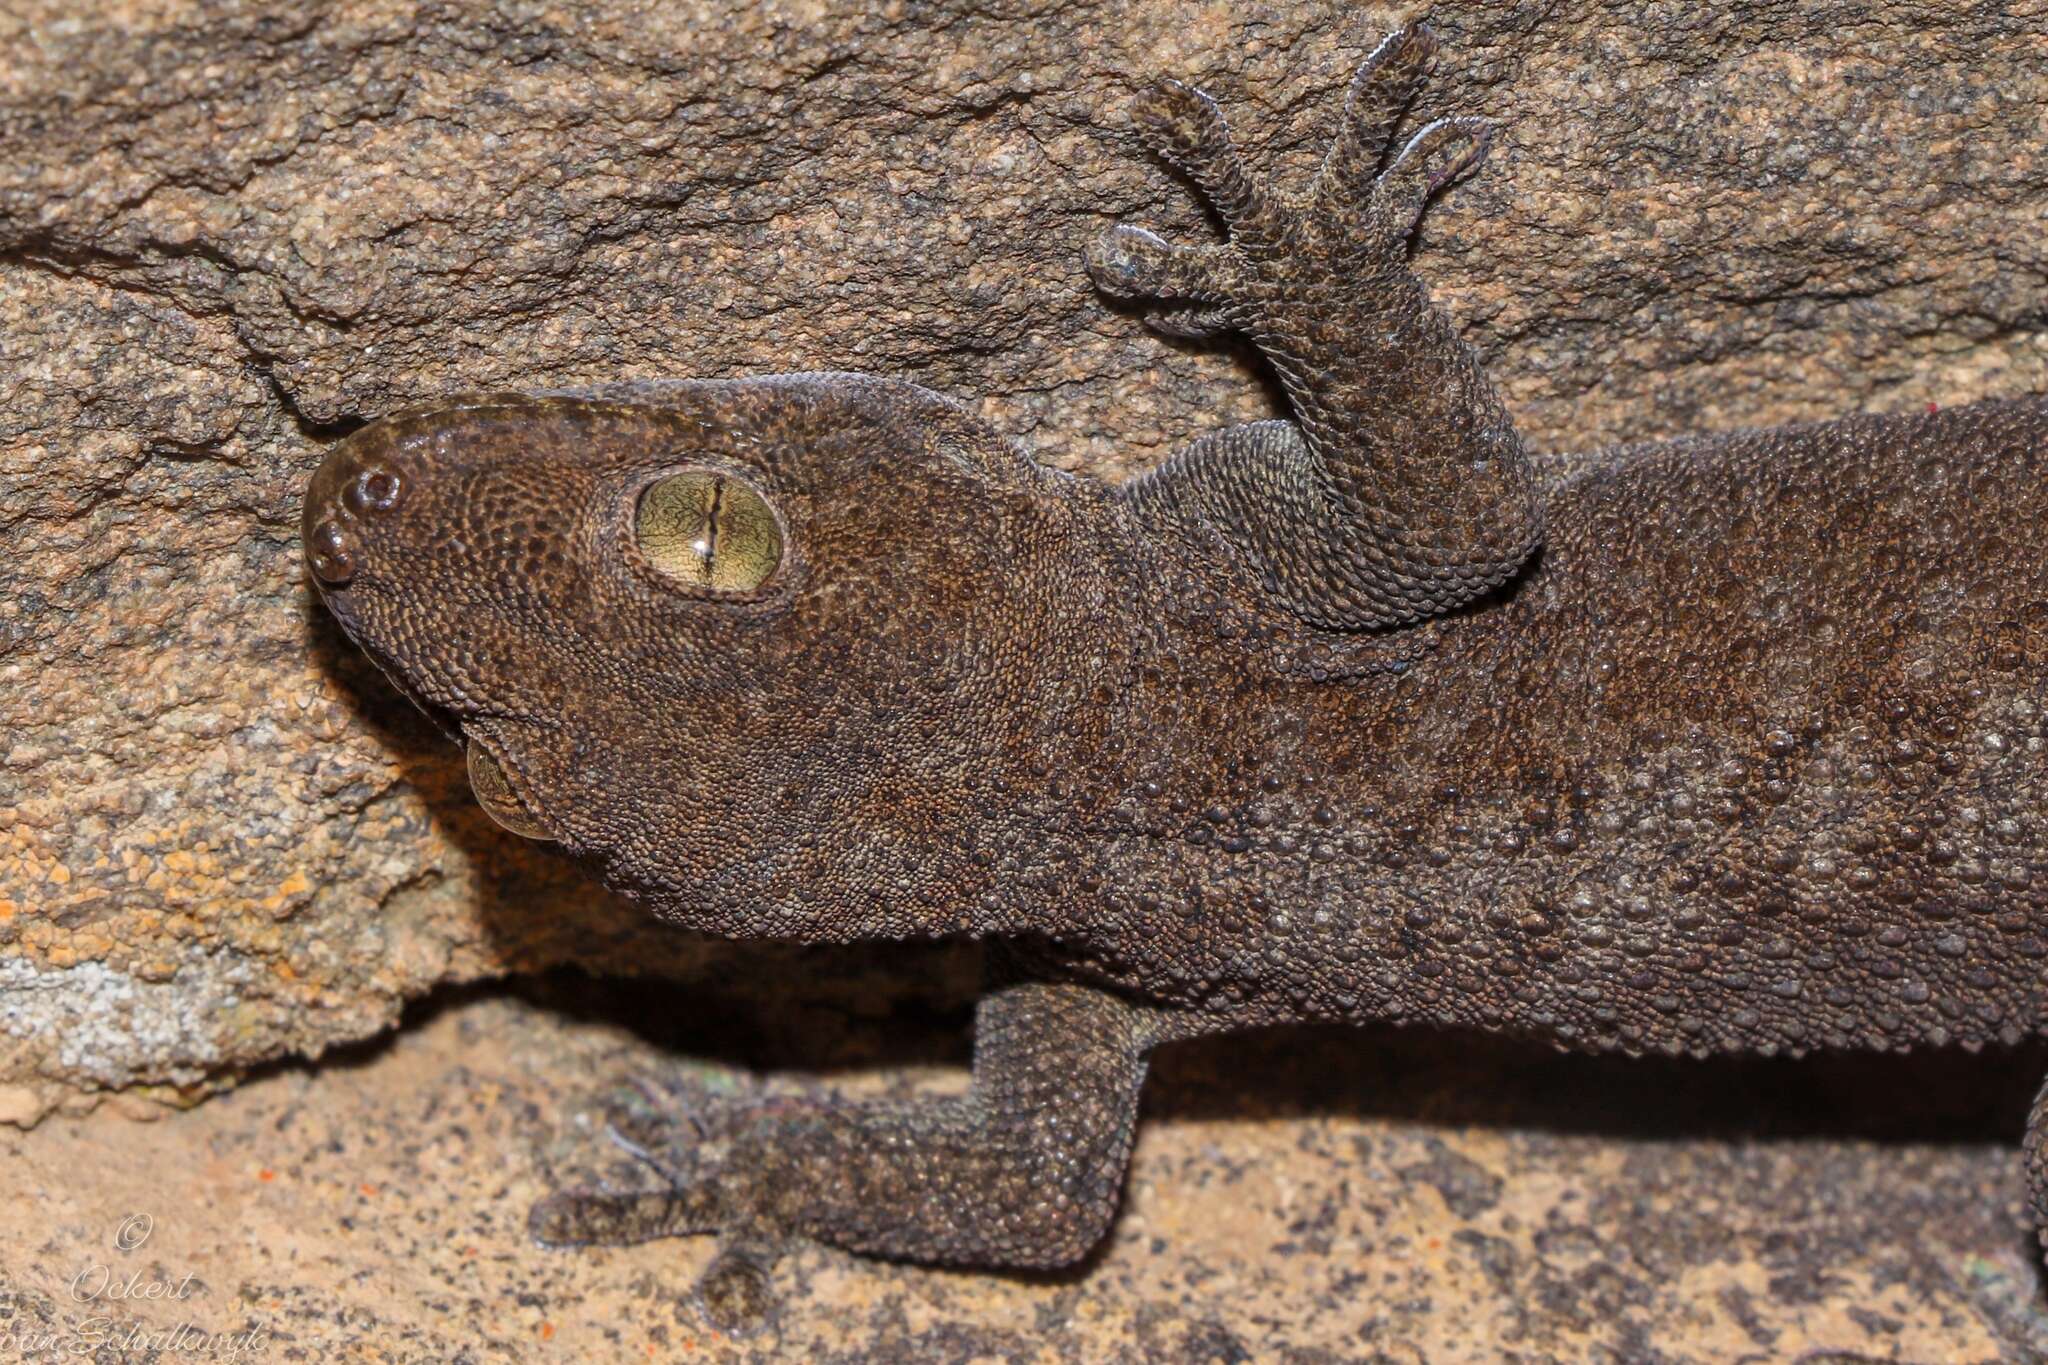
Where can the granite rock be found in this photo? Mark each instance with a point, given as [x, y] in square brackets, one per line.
[230, 232]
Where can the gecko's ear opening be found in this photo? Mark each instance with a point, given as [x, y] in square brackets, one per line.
[494, 793]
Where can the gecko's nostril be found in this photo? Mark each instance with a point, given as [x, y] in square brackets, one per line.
[360, 484]
[331, 554]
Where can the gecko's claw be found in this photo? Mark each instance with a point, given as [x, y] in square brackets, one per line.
[642, 1149]
[682, 1135]
[735, 1293]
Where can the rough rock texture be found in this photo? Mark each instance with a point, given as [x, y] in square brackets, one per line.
[228, 233]
[1294, 1198]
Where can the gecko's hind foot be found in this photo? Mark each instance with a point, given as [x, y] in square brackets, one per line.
[1354, 218]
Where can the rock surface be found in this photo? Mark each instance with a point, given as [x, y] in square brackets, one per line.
[230, 233]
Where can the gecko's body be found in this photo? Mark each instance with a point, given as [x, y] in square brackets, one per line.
[1725, 744]
[1766, 775]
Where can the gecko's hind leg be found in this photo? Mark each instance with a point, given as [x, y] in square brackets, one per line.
[1023, 1170]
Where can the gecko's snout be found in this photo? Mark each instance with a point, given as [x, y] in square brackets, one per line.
[353, 489]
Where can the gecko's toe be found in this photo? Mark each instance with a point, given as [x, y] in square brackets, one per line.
[1184, 126]
[1180, 120]
[598, 1217]
[1444, 152]
[577, 1217]
[1129, 262]
[1192, 323]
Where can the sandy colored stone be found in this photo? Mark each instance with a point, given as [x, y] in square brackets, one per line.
[1300, 1197]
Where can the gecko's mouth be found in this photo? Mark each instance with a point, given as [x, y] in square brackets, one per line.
[487, 780]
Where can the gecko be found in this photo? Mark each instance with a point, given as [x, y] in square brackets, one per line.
[1724, 744]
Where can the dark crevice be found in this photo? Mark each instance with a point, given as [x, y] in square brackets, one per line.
[310, 427]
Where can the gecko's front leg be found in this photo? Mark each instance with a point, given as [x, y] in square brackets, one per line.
[1023, 1170]
[1401, 490]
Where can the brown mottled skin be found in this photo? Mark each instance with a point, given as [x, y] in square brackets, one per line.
[1723, 744]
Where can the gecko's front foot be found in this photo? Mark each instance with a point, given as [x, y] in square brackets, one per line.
[1023, 1170]
[1350, 228]
[1401, 489]
[693, 1143]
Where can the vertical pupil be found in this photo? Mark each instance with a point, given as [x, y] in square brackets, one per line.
[710, 537]
[708, 530]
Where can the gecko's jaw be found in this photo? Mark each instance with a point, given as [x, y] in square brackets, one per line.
[487, 779]
[358, 488]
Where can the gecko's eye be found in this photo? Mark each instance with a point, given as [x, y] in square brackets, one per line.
[708, 530]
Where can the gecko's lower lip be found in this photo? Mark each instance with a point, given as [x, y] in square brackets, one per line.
[445, 720]
[494, 793]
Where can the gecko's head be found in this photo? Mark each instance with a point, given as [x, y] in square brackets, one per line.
[784, 657]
